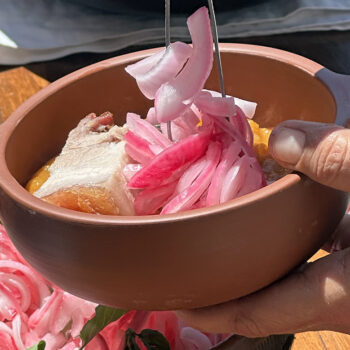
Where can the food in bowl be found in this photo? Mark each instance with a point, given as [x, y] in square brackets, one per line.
[143, 168]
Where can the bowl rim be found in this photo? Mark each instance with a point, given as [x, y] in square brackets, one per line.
[34, 205]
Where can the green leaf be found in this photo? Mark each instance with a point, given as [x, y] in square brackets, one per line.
[130, 340]
[154, 340]
[40, 346]
[103, 317]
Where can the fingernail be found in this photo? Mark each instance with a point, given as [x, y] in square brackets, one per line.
[287, 145]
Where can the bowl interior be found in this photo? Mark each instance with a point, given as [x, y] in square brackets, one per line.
[282, 91]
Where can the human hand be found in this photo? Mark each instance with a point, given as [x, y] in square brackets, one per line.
[316, 297]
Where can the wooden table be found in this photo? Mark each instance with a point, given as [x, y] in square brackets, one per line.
[19, 84]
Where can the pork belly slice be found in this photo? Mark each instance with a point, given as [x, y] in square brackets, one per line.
[88, 174]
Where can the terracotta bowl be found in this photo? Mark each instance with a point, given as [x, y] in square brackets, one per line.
[187, 260]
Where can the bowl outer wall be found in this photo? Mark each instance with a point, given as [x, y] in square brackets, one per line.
[187, 260]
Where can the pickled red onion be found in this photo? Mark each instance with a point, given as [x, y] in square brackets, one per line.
[138, 149]
[171, 97]
[146, 131]
[190, 175]
[151, 116]
[219, 106]
[240, 121]
[164, 69]
[188, 197]
[150, 200]
[171, 163]
[252, 182]
[229, 156]
[184, 125]
[234, 179]
[247, 107]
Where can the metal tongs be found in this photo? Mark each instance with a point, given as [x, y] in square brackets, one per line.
[214, 29]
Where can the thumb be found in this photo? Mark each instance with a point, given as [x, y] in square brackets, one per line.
[315, 298]
[320, 151]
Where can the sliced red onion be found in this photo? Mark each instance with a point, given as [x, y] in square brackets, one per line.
[145, 65]
[183, 126]
[229, 129]
[156, 149]
[135, 154]
[205, 121]
[177, 131]
[229, 156]
[248, 150]
[202, 201]
[219, 106]
[151, 116]
[172, 162]
[138, 148]
[253, 182]
[191, 175]
[234, 179]
[247, 107]
[145, 130]
[169, 101]
[186, 199]
[241, 123]
[165, 69]
[148, 201]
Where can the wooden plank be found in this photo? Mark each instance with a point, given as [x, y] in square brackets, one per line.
[320, 254]
[309, 341]
[335, 341]
[16, 86]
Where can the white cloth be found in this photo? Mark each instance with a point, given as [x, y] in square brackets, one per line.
[38, 30]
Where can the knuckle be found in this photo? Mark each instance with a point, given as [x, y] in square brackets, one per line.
[244, 323]
[331, 158]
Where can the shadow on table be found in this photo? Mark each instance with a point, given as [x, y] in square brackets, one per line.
[273, 342]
